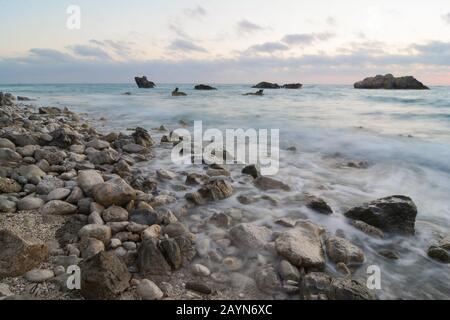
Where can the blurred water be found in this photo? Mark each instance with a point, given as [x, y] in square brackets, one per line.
[403, 135]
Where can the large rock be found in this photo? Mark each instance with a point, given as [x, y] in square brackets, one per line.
[292, 86]
[144, 83]
[58, 207]
[115, 214]
[142, 137]
[266, 183]
[204, 87]
[19, 255]
[150, 260]
[64, 138]
[113, 192]
[342, 250]
[317, 285]
[87, 179]
[214, 190]
[302, 245]
[395, 214]
[267, 85]
[105, 156]
[104, 277]
[390, 82]
[96, 231]
[250, 236]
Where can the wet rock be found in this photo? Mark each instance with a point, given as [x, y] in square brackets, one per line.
[144, 83]
[96, 231]
[143, 216]
[266, 183]
[266, 85]
[318, 204]
[251, 170]
[341, 250]
[30, 203]
[250, 236]
[204, 87]
[220, 220]
[368, 229]
[106, 156]
[395, 214]
[9, 186]
[39, 275]
[288, 272]
[444, 243]
[172, 253]
[113, 192]
[9, 155]
[134, 148]
[198, 287]
[150, 260]
[87, 179]
[196, 179]
[115, 214]
[143, 138]
[316, 284]
[214, 190]
[439, 254]
[57, 207]
[174, 230]
[50, 110]
[90, 247]
[302, 245]
[104, 277]
[58, 194]
[292, 86]
[389, 254]
[148, 290]
[267, 279]
[390, 82]
[165, 174]
[84, 205]
[119, 228]
[19, 255]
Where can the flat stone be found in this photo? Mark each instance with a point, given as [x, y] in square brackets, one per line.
[58, 207]
[39, 275]
[58, 194]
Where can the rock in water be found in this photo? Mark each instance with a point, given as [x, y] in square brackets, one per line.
[150, 260]
[267, 85]
[390, 82]
[266, 183]
[342, 250]
[302, 245]
[144, 83]
[19, 255]
[104, 277]
[395, 214]
[249, 236]
[293, 86]
[204, 87]
[439, 254]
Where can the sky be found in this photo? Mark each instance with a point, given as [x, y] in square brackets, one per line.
[245, 41]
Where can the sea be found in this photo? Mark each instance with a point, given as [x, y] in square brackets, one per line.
[402, 138]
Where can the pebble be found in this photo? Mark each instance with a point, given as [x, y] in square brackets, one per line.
[200, 270]
[148, 290]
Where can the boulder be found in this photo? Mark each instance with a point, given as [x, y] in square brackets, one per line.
[342, 250]
[113, 192]
[9, 186]
[439, 254]
[89, 247]
[87, 179]
[171, 251]
[150, 259]
[318, 204]
[394, 214]
[105, 156]
[302, 245]
[96, 231]
[19, 255]
[104, 277]
[215, 189]
[250, 236]
[58, 207]
[266, 85]
[292, 86]
[144, 83]
[388, 81]
[58, 194]
[115, 214]
[204, 87]
[142, 137]
[64, 138]
[266, 183]
[251, 170]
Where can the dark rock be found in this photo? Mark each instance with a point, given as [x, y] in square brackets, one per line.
[19, 255]
[257, 93]
[292, 86]
[144, 217]
[64, 138]
[214, 190]
[142, 137]
[439, 254]
[144, 83]
[177, 93]
[198, 287]
[390, 82]
[267, 85]
[266, 183]
[104, 277]
[318, 204]
[251, 170]
[50, 110]
[172, 253]
[395, 214]
[150, 259]
[204, 87]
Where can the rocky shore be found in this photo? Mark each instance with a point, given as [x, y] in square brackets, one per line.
[72, 195]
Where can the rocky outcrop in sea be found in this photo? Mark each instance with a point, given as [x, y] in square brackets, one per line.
[390, 82]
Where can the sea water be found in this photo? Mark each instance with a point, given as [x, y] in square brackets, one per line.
[403, 136]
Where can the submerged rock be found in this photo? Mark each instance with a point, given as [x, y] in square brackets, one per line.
[395, 214]
[390, 82]
[342, 250]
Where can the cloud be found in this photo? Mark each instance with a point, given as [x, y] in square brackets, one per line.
[186, 46]
[195, 13]
[446, 18]
[248, 27]
[90, 52]
[179, 32]
[332, 22]
[268, 47]
[306, 38]
[121, 48]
